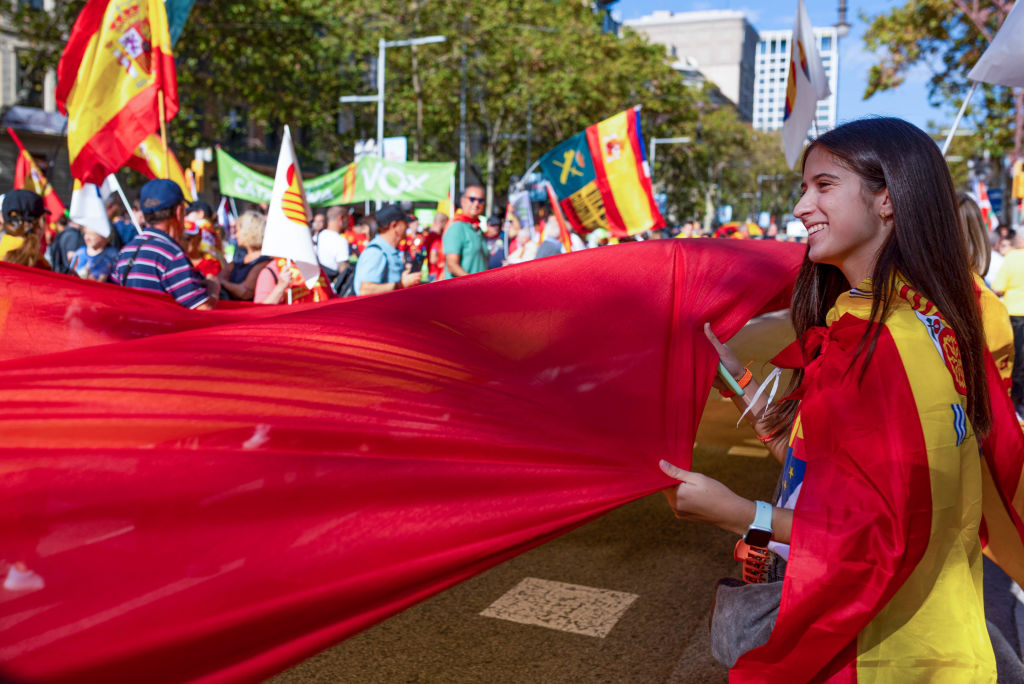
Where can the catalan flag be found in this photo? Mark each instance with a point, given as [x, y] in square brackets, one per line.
[287, 234]
[27, 176]
[602, 179]
[153, 160]
[883, 581]
[116, 67]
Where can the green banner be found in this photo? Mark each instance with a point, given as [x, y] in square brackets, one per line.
[239, 181]
[370, 179]
[377, 179]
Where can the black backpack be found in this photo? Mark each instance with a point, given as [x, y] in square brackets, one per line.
[345, 283]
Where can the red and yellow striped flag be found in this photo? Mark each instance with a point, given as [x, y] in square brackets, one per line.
[27, 176]
[115, 68]
[153, 160]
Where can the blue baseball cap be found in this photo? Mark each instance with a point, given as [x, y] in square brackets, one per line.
[160, 194]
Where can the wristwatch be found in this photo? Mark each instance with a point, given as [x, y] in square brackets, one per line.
[760, 531]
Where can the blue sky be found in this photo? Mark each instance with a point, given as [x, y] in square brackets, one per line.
[910, 101]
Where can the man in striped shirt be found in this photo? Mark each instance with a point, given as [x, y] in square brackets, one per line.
[154, 260]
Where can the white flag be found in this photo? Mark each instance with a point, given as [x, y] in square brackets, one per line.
[287, 233]
[89, 210]
[523, 210]
[1003, 61]
[806, 85]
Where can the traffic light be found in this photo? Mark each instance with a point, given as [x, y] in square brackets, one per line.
[1018, 179]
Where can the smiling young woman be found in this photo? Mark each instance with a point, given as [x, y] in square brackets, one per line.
[873, 540]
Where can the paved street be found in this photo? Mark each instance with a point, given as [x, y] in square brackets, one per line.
[623, 599]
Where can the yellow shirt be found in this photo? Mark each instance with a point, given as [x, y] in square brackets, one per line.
[8, 243]
[1010, 281]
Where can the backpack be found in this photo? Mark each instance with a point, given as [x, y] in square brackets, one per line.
[345, 283]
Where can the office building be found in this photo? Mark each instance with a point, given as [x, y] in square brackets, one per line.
[719, 44]
[772, 71]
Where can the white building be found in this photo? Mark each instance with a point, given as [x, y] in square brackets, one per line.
[771, 72]
[719, 44]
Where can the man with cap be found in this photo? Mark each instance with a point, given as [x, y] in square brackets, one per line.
[380, 267]
[154, 260]
[24, 221]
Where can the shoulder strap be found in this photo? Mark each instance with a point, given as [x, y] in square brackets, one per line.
[131, 262]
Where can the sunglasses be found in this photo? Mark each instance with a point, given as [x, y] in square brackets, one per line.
[479, 200]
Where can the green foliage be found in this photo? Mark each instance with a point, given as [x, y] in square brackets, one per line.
[947, 37]
[531, 66]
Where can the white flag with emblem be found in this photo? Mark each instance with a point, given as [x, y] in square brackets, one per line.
[287, 234]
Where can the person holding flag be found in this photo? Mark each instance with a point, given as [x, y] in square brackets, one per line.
[875, 540]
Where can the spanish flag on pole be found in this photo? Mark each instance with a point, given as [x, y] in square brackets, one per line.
[152, 159]
[602, 178]
[115, 70]
[27, 176]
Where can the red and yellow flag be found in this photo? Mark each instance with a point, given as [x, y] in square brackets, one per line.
[115, 68]
[27, 176]
[563, 230]
[602, 179]
[152, 159]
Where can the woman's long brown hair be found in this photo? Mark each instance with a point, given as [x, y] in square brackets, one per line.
[927, 248]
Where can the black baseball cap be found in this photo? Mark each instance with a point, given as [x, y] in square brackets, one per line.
[23, 205]
[200, 205]
[390, 213]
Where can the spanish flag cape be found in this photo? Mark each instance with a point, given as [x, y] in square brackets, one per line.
[883, 581]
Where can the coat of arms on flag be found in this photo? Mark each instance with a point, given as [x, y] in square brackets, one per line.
[602, 179]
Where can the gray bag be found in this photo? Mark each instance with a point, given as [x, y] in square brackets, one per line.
[742, 617]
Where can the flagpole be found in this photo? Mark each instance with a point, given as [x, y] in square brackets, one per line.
[289, 284]
[959, 115]
[127, 206]
[163, 131]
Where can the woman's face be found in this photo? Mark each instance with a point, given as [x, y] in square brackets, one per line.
[844, 225]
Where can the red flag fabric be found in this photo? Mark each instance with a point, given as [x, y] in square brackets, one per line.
[27, 176]
[224, 496]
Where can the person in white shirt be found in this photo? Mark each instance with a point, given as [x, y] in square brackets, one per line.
[332, 249]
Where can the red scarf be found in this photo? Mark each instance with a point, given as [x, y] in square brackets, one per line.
[459, 216]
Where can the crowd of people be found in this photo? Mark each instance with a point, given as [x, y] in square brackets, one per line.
[178, 247]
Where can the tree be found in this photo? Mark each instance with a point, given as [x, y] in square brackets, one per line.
[536, 69]
[947, 36]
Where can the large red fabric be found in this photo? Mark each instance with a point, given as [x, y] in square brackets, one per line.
[237, 490]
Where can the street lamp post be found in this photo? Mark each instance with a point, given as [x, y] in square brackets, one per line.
[664, 141]
[382, 46]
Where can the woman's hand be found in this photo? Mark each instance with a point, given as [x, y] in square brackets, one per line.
[701, 498]
[728, 359]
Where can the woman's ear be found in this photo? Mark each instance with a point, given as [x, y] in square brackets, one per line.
[885, 206]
